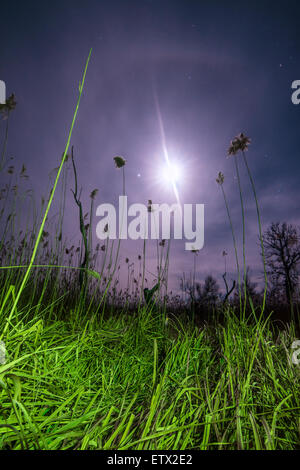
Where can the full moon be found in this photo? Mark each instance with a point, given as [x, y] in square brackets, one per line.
[171, 173]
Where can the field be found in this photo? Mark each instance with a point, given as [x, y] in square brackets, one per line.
[133, 383]
[100, 373]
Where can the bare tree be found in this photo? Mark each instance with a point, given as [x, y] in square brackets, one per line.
[282, 251]
[206, 294]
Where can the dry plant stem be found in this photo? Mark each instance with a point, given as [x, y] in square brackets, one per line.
[85, 262]
[244, 233]
[144, 269]
[90, 242]
[234, 244]
[260, 230]
[119, 241]
[3, 153]
[111, 274]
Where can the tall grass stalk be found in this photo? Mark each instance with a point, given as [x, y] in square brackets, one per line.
[40, 232]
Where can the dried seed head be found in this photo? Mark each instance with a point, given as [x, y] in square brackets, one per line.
[8, 106]
[119, 162]
[94, 194]
[220, 179]
[239, 143]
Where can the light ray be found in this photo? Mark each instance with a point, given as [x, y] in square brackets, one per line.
[164, 146]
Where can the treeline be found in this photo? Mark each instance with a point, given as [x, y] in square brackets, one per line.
[282, 259]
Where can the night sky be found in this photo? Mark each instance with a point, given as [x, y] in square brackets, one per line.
[218, 68]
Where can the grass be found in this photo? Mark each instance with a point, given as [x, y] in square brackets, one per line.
[131, 384]
[95, 368]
